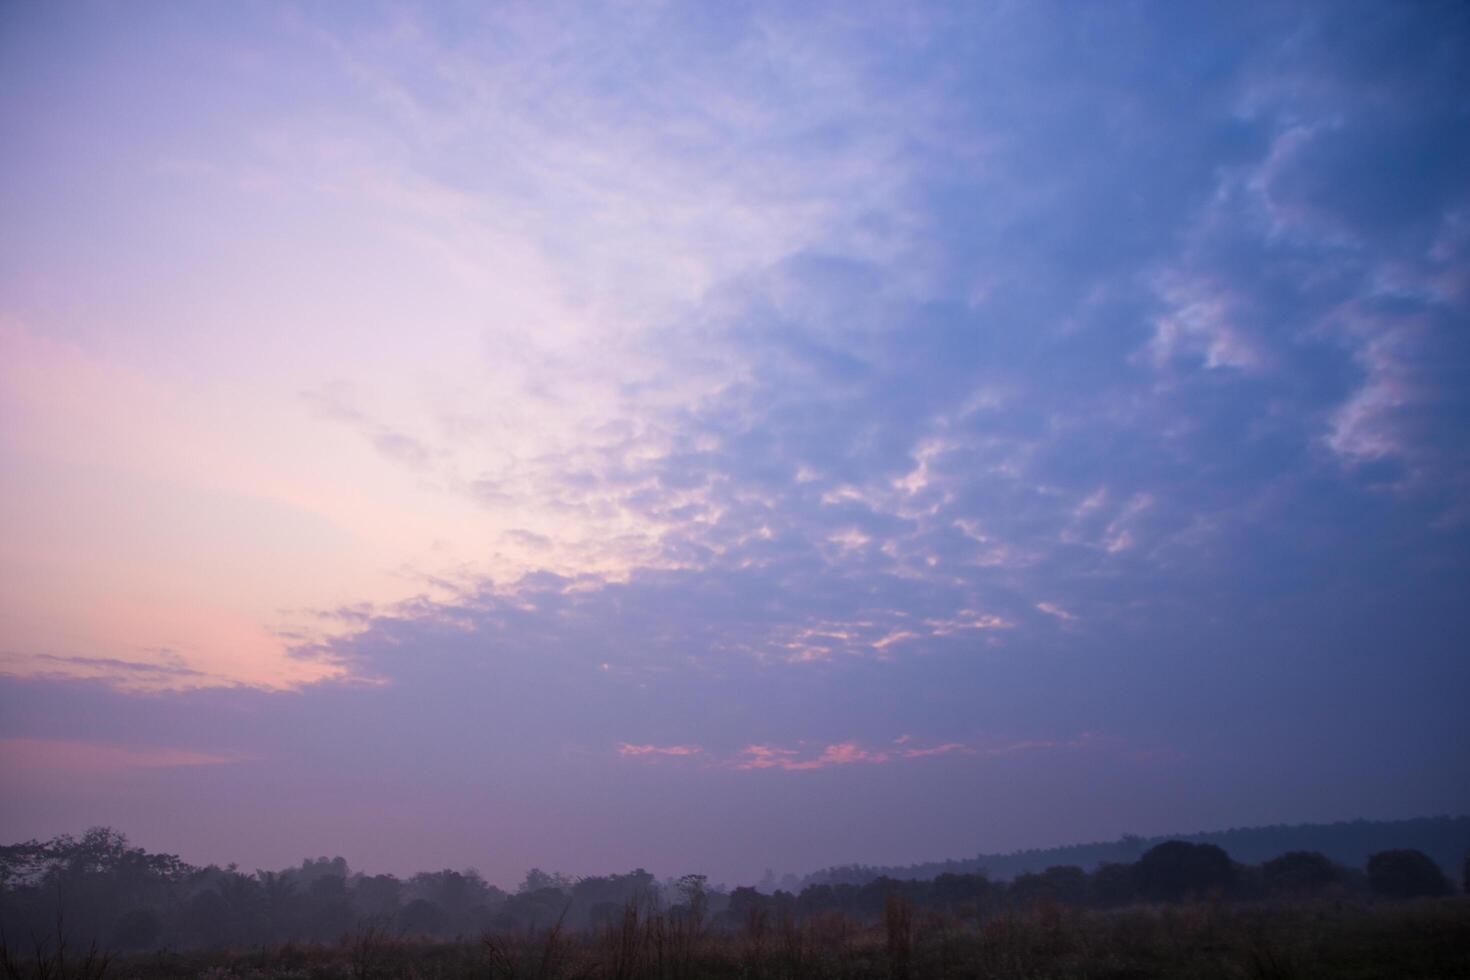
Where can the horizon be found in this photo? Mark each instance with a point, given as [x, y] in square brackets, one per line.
[720, 437]
[784, 876]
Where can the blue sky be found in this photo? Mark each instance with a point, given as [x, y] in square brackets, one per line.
[713, 437]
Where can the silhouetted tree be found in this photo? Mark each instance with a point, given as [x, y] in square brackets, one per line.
[206, 919]
[1406, 874]
[538, 880]
[952, 890]
[330, 914]
[1176, 868]
[131, 900]
[596, 898]
[321, 867]
[463, 895]
[1299, 872]
[742, 901]
[1066, 884]
[531, 910]
[692, 890]
[377, 897]
[137, 929]
[422, 917]
[1114, 884]
[244, 906]
[278, 893]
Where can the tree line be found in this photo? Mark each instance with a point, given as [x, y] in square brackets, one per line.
[97, 887]
[1347, 842]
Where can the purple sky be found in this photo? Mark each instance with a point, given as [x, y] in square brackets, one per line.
[714, 437]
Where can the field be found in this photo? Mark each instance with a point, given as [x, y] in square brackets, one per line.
[1426, 939]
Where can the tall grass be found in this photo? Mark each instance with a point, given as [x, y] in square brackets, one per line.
[1305, 941]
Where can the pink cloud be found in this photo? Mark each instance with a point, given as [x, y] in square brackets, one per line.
[944, 749]
[836, 754]
[768, 757]
[628, 750]
[762, 755]
[49, 755]
[847, 753]
[1052, 609]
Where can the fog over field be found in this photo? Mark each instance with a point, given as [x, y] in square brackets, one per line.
[717, 437]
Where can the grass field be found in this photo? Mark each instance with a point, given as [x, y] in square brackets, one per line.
[1345, 941]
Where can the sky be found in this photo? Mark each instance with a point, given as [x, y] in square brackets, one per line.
[719, 437]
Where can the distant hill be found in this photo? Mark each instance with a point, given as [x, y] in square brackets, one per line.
[1446, 839]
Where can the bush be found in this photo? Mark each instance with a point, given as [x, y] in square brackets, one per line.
[1114, 884]
[1176, 868]
[1299, 873]
[1406, 874]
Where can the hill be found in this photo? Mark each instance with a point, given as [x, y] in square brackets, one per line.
[1446, 839]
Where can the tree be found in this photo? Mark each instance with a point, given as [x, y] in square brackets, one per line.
[422, 917]
[245, 906]
[1176, 868]
[1114, 884]
[743, 899]
[951, 889]
[1406, 874]
[207, 919]
[538, 880]
[329, 914]
[692, 889]
[1066, 884]
[137, 929]
[1299, 872]
[279, 897]
[378, 896]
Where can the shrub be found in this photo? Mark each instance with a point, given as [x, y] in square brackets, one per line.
[1406, 874]
[1176, 868]
[1299, 872]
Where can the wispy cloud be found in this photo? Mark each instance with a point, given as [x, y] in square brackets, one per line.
[765, 756]
[780, 377]
[1052, 609]
[628, 750]
[26, 757]
[803, 757]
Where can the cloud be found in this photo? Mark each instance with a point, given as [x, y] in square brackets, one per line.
[1201, 322]
[125, 673]
[892, 341]
[752, 387]
[334, 403]
[775, 757]
[762, 756]
[1052, 609]
[945, 749]
[27, 757]
[627, 750]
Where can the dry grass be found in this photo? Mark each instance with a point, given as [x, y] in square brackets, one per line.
[1427, 939]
